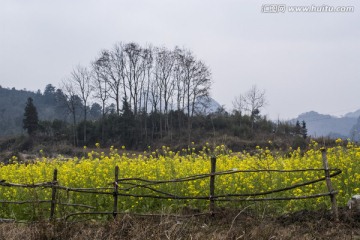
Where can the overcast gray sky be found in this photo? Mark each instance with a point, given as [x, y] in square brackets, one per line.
[304, 60]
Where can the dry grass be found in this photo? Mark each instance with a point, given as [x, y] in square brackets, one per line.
[224, 225]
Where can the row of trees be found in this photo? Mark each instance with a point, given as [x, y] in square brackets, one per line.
[135, 95]
[140, 80]
[122, 129]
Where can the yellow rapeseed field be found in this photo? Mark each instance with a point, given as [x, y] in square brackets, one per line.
[96, 170]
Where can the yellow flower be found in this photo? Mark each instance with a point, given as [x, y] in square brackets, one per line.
[96, 169]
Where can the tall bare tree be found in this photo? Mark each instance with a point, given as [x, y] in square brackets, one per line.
[101, 90]
[196, 79]
[145, 87]
[148, 53]
[200, 87]
[135, 71]
[179, 78]
[112, 66]
[81, 76]
[72, 101]
[164, 65]
[100, 85]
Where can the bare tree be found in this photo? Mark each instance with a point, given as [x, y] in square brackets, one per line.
[179, 78]
[239, 106]
[100, 84]
[163, 68]
[112, 66]
[252, 101]
[154, 101]
[135, 70]
[148, 54]
[81, 77]
[72, 102]
[164, 64]
[145, 86]
[154, 96]
[196, 81]
[118, 73]
[200, 87]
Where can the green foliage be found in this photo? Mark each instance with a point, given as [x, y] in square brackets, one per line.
[31, 121]
[92, 133]
[303, 130]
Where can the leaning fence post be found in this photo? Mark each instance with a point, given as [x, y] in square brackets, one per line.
[212, 184]
[115, 193]
[334, 207]
[53, 195]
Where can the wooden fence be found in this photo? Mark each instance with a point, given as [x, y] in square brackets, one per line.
[117, 191]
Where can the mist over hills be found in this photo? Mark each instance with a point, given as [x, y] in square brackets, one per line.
[355, 114]
[12, 104]
[324, 125]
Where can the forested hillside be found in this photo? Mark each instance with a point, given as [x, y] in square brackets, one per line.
[55, 124]
[49, 105]
[12, 109]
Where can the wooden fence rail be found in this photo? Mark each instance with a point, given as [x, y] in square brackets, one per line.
[117, 191]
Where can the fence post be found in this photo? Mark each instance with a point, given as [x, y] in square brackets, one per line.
[212, 184]
[115, 194]
[53, 195]
[334, 207]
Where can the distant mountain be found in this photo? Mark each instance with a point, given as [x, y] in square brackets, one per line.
[206, 105]
[355, 131]
[355, 114]
[325, 125]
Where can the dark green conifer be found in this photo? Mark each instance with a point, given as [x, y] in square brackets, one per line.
[31, 120]
[304, 130]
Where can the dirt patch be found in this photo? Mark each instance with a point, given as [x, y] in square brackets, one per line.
[223, 225]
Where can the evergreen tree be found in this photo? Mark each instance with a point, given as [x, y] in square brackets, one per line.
[304, 130]
[297, 129]
[30, 121]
